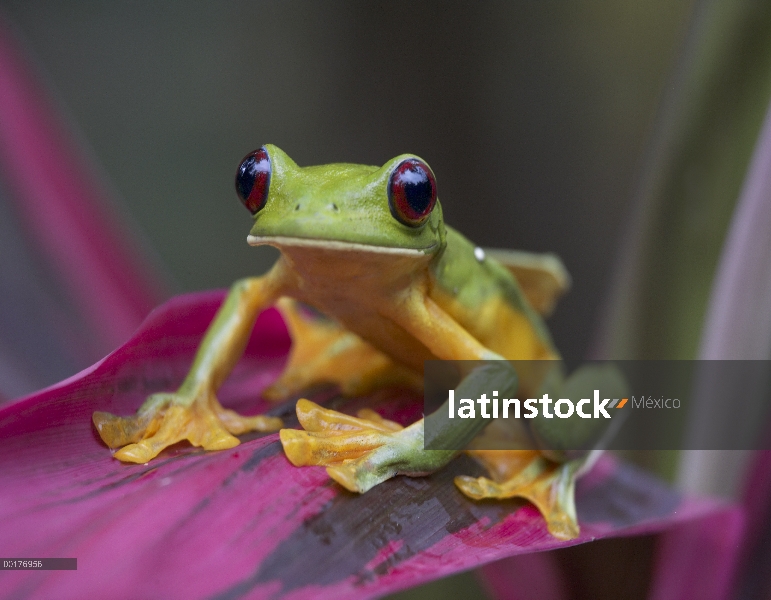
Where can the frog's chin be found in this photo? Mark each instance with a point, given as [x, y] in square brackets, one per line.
[280, 241]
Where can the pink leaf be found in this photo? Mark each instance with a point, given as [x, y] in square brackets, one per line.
[65, 210]
[245, 522]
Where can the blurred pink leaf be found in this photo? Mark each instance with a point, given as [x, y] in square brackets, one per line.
[74, 283]
[698, 559]
[738, 326]
[244, 522]
[754, 579]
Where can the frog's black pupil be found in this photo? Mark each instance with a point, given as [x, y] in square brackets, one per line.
[417, 189]
[245, 180]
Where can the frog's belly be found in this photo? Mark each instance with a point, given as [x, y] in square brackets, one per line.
[384, 334]
[347, 286]
[349, 291]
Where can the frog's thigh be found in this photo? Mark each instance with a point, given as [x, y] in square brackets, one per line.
[324, 352]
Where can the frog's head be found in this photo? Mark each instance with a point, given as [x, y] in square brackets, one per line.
[390, 209]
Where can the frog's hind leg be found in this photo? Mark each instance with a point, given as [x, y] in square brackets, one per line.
[324, 352]
[530, 475]
[546, 477]
[363, 457]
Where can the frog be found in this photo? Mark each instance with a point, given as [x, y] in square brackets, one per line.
[367, 248]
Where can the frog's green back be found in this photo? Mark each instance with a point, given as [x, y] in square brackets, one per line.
[486, 299]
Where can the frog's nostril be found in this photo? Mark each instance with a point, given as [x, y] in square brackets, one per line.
[297, 207]
[333, 206]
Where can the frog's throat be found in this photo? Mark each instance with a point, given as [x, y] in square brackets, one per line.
[279, 240]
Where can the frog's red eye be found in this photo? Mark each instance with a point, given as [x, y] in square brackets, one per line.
[411, 192]
[253, 180]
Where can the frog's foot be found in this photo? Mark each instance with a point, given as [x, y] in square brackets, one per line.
[359, 452]
[324, 352]
[165, 419]
[528, 474]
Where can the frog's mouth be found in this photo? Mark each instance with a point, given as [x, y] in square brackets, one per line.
[279, 241]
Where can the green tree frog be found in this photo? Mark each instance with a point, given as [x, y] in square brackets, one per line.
[367, 247]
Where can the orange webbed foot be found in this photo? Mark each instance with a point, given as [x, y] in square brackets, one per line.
[528, 474]
[166, 419]
[359, 453]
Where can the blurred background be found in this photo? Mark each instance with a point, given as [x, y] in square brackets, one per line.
[616, 133]
[534, 116]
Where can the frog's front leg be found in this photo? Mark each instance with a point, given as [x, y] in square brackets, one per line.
[361, 459]
[193, 412]
[359, 452]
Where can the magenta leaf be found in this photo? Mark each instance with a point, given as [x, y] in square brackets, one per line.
[244, 522]
[738, 326]
[698, 559]
[73, 280]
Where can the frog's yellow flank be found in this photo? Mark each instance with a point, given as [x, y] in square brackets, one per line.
[367, 248]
